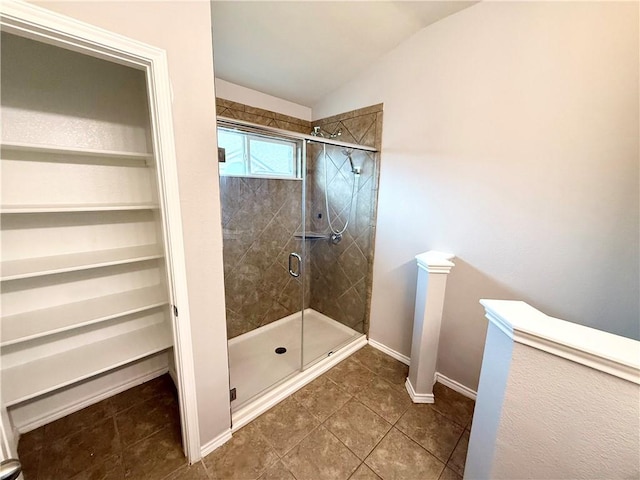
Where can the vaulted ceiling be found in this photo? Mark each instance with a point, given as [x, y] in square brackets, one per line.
[303, 50]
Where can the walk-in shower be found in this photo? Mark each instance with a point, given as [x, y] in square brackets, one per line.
[297, 212]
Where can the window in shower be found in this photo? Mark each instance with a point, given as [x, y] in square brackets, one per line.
[249, 155]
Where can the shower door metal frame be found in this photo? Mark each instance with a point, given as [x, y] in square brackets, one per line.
[248, 126]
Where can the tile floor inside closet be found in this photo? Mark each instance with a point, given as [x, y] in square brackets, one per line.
[354, 422]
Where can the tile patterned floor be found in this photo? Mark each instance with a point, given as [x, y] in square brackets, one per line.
[354, 422]
[133, 435]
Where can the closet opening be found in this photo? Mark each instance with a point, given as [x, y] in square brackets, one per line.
[91, 270]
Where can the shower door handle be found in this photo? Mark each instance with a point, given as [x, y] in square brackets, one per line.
[10, 469]
[291, 257]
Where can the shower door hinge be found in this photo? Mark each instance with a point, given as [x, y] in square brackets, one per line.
[232, 394]
[222, 155]
[175, 310]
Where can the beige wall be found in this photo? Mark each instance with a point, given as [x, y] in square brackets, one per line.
[248, 96]
[183, 29]
[561, 419]
[510, 139]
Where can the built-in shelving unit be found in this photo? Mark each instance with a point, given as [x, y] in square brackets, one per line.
[44, 375]
[83, 272]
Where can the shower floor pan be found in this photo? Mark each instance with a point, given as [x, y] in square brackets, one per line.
[262, 377]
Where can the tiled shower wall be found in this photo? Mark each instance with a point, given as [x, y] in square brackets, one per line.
[238, 111]
[261, 216]
[341, 273]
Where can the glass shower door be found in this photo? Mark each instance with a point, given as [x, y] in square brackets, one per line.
[262, 190]
[338, 239]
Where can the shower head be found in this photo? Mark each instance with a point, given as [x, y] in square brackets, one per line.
[347, 152]
[318, 132]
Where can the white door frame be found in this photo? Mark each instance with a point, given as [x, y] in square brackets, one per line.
[39, 24]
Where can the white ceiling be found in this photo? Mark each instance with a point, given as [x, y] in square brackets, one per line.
[303, 50]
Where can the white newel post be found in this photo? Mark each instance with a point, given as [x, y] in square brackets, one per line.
[433, 268]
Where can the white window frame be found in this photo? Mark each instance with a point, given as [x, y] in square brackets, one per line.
[248, 136]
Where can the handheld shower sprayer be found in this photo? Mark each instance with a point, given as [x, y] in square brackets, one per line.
[336, 234]
[347, 153]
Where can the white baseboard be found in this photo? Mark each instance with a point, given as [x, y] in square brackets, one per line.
[31, 415]
[220, 440]
[440, 378]
[173, 374]
[456, 386]
[392, 353]
[418, 397]
[256, 408]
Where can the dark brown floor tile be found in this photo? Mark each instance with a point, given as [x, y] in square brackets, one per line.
[448, 474]
[459, 456]
[321, 456]
[154, 457]
[78, 452]
[398, 457]
[189, 472]
[30, 441]
[364, 473]
[30, 463]
[146, 418]
[87, 417]
[453, 405]
[384, 399]
[160, 386]
[392, 370]
[285, 425]
[351, 375]
[395, 373]
[322, 397]
[357, 427]
[277, 471]
[431, 430]
[367, 356]
[112, 469]
[245, 457]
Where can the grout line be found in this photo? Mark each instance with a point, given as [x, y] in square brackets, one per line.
[120, 446]
[210, 475]
[173, 471]
[412, 440]
[354, 472]
[281, 456]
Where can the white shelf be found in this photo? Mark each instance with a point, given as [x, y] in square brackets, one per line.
[84, 152]
[114, 207]
[44, 375]
[311, 235]
[40, 266]
[39, 323]
[78, 208]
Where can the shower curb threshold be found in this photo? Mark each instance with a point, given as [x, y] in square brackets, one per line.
[256, 408]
